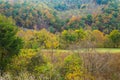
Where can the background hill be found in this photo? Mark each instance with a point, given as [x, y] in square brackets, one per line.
[57, 15]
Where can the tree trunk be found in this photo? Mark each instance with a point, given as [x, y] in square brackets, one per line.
[1, 64]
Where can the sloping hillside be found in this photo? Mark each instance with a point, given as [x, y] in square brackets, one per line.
[57, 15]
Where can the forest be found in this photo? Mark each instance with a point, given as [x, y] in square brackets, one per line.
[59, 39]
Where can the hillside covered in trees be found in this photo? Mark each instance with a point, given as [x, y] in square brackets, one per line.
[57, 15]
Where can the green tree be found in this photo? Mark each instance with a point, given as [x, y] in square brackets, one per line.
[69, 36]
[115, 38]
[80, 34]
[10, 44]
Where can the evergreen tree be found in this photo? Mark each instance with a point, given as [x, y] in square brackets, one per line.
[10, 44]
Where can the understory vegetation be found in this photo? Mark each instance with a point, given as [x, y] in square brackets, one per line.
[47, 65]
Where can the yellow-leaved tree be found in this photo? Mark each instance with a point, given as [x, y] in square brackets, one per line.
[27, 35]
[45, 39]
[72, 69]
[98, 37]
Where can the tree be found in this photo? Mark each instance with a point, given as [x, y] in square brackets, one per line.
[80, 34]
[115, 38]
[69, 36]
[99, 38]
[27, 35]
[102, 1]
[73, 69]
[10, 44]
[45, 39]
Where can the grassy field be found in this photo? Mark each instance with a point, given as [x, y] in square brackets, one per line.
[110, 50]
[100, 50]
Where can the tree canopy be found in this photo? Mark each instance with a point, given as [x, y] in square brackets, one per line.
[10, 44]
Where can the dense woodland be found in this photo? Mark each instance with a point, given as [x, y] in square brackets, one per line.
[58, 39]
[47, 14]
